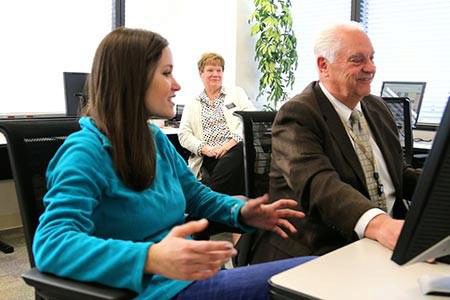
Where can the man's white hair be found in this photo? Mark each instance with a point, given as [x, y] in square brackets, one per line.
[328, 42]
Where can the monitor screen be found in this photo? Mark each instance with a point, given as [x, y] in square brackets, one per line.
[178, 112]
[75, 89]
[426, 231]
[412, 90]
[175, 121]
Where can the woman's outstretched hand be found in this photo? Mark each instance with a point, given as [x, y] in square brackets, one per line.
[271, 216]
[179, 258]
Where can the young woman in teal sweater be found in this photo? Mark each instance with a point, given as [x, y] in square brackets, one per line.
[118, 192]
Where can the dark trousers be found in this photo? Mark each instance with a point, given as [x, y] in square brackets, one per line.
[249, 283]
[225, 175]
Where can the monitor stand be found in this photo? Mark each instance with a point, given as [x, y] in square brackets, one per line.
[440, 250]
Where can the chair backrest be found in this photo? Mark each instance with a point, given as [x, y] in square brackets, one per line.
[31, 145]
[257, 127]
[400, 109]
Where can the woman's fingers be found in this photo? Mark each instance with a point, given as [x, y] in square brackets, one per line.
[192, 260]
[290, 213]
[203, 274]
[197, 271]
[188, 228]
[287, 225]
[280, 232]
[284, 203]
[220, 152]
[210, 246]
[282, 227]
[205, 258]
[261, 199]
[204, 252]
[284, 209]
[254, 203]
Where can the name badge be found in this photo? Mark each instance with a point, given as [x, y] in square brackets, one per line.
[230, 106]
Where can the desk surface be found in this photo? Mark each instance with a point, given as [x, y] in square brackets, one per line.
[425, 138]
[170, 130]
[422, 145]
[361, 270]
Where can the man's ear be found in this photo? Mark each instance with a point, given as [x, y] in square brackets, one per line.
[322, 66]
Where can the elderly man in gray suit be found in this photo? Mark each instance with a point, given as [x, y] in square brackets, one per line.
[335, 149]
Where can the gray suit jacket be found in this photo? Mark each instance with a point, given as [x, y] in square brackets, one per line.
[314, 162]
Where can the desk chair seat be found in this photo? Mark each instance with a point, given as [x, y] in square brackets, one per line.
[31, 145]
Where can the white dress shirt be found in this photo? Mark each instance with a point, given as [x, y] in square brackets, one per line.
[344, 113]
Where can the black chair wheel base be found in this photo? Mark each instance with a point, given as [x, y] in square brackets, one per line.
[5, 248]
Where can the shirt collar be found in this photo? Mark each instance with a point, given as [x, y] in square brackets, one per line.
[342, 110]
[89, 124]
[203, 97]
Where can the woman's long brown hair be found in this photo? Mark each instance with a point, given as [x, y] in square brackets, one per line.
[123, 67]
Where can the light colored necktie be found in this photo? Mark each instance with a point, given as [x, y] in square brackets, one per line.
[360, 135]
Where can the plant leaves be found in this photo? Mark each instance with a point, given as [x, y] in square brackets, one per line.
[275, 49]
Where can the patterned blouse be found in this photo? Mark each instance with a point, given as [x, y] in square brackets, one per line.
[215, 128]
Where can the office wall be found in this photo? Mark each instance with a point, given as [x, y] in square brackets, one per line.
[247, 73]
[9, 210]
[195, 27]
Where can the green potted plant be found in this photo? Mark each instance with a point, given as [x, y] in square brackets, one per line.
[275, 49]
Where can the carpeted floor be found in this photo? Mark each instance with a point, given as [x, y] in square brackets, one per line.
[12, 265]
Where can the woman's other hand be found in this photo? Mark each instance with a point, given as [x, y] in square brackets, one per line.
[271, 216]
[222, 150]
[209, 151]
[179, 258]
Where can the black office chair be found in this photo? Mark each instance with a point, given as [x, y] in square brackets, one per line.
[5, 173]
[31, 145]
[6, 248]
[257, 127]
[400, 109]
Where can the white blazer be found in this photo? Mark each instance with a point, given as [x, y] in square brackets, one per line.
[191, 131]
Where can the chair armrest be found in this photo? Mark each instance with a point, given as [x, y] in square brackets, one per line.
[55, 287]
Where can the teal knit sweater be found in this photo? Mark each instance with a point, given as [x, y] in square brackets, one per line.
[94, 228]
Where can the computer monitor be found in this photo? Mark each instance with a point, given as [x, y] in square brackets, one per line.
[426, 232]
[412, 90]
[178, 112]
[175, 121]
[75, 89]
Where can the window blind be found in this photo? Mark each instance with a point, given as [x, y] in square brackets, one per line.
[411, 41]
[43, 40]
[309, 17]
